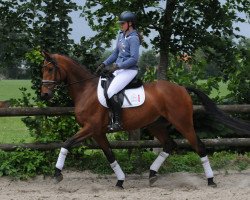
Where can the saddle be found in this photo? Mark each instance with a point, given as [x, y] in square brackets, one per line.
[132, 95]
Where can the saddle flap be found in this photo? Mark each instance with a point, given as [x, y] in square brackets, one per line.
[133, 97]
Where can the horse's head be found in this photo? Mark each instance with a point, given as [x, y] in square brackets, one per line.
[52, 76]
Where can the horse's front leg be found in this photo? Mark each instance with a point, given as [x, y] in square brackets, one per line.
[82, 134]
[103, 142]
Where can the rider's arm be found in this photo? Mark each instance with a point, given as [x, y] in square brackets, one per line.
[112, 58]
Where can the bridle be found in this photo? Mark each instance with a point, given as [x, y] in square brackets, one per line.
[56, 69]
[52, 83]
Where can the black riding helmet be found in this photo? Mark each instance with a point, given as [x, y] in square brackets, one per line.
[127, 16]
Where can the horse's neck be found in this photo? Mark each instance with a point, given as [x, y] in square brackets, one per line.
[79, 81]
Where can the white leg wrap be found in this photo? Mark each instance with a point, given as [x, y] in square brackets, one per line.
[118, 171]
[61, 158]
[158, 161]
[207, 168]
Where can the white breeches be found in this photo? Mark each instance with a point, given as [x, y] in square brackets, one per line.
[121, 80]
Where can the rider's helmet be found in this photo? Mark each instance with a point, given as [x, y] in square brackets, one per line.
[127, 16]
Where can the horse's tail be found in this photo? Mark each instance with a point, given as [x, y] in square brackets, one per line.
[241, 128]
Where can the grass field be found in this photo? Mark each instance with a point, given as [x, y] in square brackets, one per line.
[12, 129]
[10, 88]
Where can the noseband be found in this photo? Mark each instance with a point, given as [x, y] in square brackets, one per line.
[56, 70]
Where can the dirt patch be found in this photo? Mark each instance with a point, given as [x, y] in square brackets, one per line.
[86, 185]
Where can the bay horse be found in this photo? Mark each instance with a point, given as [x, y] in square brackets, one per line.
[163, 99]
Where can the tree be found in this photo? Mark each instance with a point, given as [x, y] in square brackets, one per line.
[34, 23]
[148, 61]
[13, 38]
[240, 80]
[182, 25]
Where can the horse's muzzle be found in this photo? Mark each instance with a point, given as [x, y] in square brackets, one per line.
[46, 96]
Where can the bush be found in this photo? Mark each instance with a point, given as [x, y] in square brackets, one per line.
[25, 163]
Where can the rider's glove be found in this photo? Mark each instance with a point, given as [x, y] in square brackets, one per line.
[100, 68]
[113, 68]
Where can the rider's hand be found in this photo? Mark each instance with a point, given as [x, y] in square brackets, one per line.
[100, 68]
[113, 68]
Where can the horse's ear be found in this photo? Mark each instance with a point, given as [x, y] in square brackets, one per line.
[46, 55]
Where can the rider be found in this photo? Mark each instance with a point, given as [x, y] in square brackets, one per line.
[124, 68]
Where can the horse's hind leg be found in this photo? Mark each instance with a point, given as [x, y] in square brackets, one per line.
[158, 130]
[182, 119]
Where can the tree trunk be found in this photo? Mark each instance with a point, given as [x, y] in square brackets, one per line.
[163, 65]
[165, 33]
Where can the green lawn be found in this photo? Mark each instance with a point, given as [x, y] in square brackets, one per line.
[10, 88]
[12, 129]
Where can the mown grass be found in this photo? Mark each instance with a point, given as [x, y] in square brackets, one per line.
[12, 129]
[10, 88]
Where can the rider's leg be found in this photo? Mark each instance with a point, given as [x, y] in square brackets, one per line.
[116, 109]
[122, 79]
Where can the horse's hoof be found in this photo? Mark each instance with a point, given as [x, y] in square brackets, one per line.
[58, 178]
[152, 177]
[152, 180]
[211, 183]
[119, 184]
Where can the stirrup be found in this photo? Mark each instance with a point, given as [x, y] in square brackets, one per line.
[115, 126]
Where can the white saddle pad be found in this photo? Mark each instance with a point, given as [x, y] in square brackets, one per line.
[136, 96]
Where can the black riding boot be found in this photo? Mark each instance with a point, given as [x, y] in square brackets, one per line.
[116, 109]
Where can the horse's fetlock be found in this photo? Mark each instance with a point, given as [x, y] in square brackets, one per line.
[211, 183]
[119, 184]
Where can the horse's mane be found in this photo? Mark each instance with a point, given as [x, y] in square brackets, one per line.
[73, 60]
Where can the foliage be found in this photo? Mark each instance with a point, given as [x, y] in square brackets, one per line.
[13, 38]
[33, 23]
[22, 164]
[240, 80]
[182, 26]
[148, 61]
[51, 129]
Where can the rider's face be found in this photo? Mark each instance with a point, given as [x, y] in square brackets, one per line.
[124, 26]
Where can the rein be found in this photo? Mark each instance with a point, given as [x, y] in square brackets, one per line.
[80, 81]
[56, 82]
